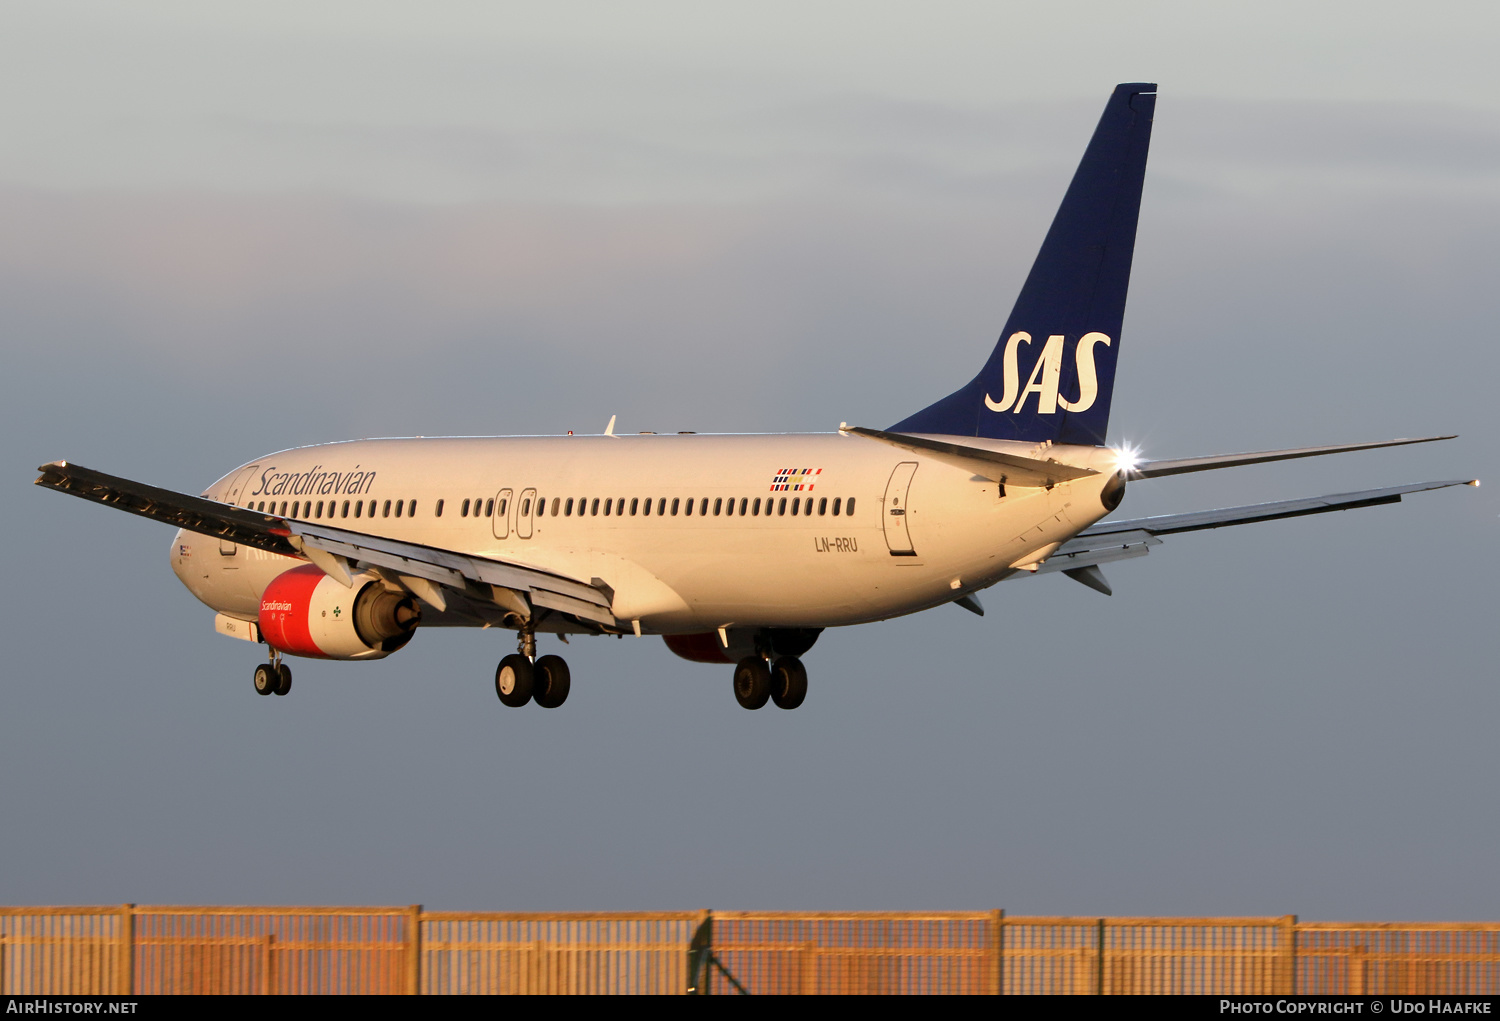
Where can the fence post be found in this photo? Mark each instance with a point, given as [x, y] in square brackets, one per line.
[414, 950]
[267, 968]
[1287, 985]
[125, 974]
[700, 951]
[997, 950]
[1099, 986]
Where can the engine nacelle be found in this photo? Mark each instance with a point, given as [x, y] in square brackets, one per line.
[304, 612]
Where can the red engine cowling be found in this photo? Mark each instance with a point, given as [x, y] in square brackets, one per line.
[304, 612]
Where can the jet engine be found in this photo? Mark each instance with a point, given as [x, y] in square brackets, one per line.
[304, 612]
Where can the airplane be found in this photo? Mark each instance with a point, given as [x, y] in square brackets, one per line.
[735, 549]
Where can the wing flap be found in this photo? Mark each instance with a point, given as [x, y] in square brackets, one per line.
[452, 570]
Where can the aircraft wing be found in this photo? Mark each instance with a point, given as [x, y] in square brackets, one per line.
[1119, 540]
[425, 570]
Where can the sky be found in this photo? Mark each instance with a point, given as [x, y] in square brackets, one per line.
[230, 229]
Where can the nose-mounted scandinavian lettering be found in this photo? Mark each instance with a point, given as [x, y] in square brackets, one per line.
[1046, 375]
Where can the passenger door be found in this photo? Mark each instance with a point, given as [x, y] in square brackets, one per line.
[894, 515]
[501, 517]
[525, 512]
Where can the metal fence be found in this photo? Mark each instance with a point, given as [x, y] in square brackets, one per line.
[144, 950]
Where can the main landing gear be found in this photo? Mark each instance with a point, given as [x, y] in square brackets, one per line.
[521, 677]
[783, 682]
[273, 678]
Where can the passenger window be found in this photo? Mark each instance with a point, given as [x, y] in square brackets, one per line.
[796, 502]
[781, 508]
[345, 509]
[703, 507]
[689, 509]
[807, 507]
[398, 508]
[489, 507]
[594, 508]
[661, 506]
[320, 509]
[607, 504]
[526, 507]
[646, 506]
[744, 501]
[718, 504]
[635, 502]
[822, 506]
[836, 502]
[849, 508]
[437, 511]
[295, 505]
[411, 508]
[556, 502]
[386, 511]
[568, 508]
[755, 510]
[359, 505]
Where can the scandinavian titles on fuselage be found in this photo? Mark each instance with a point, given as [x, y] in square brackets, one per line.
[315, 481]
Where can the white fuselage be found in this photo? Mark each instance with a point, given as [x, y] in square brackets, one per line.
[921, 531]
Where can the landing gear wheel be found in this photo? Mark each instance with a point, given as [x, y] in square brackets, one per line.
[788, 682]
[752, 682]
[550, 681]
[284, 679]
[513, 679]
[266, 680]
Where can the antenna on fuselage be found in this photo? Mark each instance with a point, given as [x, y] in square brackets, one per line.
[609, 430]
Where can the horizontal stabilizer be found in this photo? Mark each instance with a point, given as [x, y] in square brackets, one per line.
[1120, 540]
[1006, 469]
[1169, 524]
[1156, 469]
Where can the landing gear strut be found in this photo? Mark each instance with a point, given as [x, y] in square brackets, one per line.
[273, 678]
[522, 678]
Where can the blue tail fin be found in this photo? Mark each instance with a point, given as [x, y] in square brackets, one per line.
[1053, 372]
